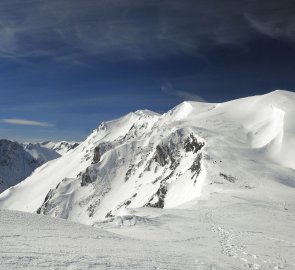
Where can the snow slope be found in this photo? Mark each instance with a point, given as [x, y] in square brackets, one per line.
[61, 147]
[217, 234]
[15, 164]
[39, 153]
[19, 160]
[242, 148]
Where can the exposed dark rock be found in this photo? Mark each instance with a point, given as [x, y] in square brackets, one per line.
[127, 202]
[157, 179]
[42, 209]
[168, 176]
[148, 167]
[86, 179]
[124, 203]
[174, 164]
[109, 214]
[191, 144]
[128, 173]
[196, 167]
[99, 150]
[15, 163]
[229, 178]
[97, 155]
[91, 209]
[160, 196]
[162, 155]
[73, 146]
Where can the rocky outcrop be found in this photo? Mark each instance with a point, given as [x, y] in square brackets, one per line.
[86, 178]
[96, 155]
[125, 203]
[43, 208]
[228, 178]
[15, 164]
[162, 155]
[191, 144]
[158, 199]
[196, 167]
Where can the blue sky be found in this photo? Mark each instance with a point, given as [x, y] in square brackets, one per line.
[67, 65]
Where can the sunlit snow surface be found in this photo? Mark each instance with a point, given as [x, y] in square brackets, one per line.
[237, 213]
[232, 234]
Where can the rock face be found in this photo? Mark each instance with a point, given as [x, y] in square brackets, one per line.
[86, 178]
[96, 155]
[19, 160]
[60, 148]
[63, 147]
[162, 155]
[128, 161]
[147, 170]
[159, 198]
[194, 151]
[15, 164]
[39, 153]
[191, 144]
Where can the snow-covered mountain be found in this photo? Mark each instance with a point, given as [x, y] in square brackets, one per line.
[196, 151]
[19, 160]
[40, 153]
[15, 164]
[61, 147]
[48, 150]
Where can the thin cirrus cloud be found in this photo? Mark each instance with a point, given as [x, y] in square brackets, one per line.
[73, 29]
[168, 88]
[16, 121]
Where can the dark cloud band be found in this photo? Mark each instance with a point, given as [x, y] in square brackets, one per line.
[71, 29]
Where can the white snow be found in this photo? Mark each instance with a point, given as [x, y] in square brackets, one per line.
[215, 234]
[40, 153]
[19, 160]
[224, 175]
[248, 149]
[61, 147]
[15, 164]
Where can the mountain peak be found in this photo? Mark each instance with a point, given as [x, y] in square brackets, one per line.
[146, 112]
[146, 160]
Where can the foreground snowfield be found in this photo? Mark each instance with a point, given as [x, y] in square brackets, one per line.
[233, 234]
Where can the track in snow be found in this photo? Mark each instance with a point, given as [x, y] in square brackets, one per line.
[232, 235]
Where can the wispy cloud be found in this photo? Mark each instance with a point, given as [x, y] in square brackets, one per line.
[168, 88]
[73, 29]
[16, 121]
[273, 27]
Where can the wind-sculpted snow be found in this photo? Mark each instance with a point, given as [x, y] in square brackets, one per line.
[223, 233]
[239, 148]
[203, 186]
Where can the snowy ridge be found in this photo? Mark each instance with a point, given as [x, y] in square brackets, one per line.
[61, 147]
[15, 164]
[19, 160]
[39, 153]
[196, 150]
